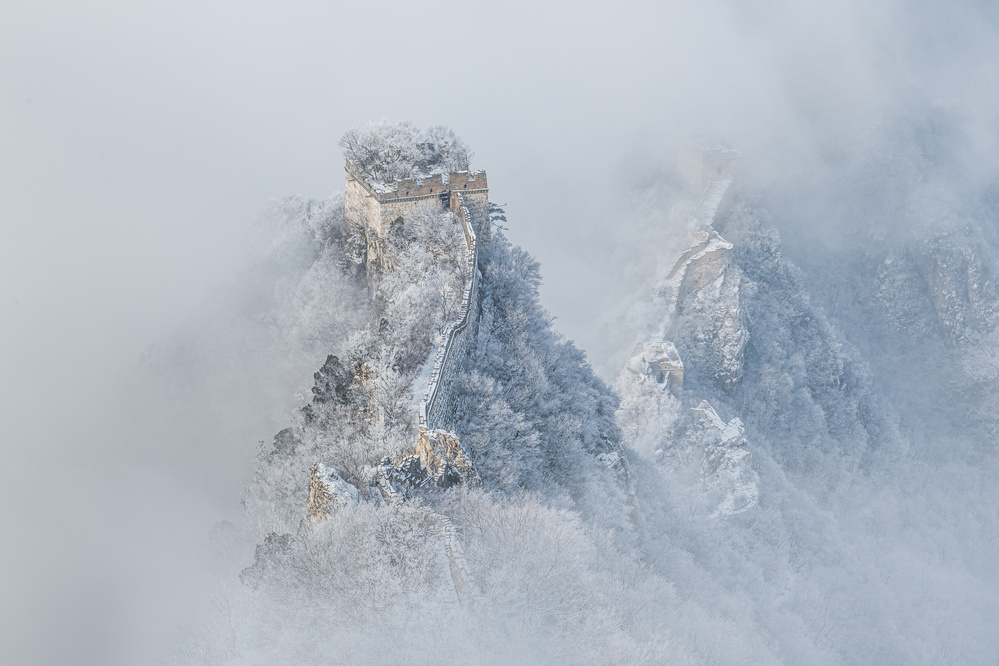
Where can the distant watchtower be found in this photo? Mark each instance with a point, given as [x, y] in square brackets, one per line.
[707, 158]
[375, 207]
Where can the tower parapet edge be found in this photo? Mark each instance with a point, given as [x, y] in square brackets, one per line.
[374, 206]
[706, 158]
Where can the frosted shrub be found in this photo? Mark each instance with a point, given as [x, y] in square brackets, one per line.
[385, 151]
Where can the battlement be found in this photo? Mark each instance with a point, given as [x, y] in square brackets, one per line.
[376, 205]
[708, 157]
[435, 185]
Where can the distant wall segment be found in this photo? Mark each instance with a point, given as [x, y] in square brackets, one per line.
[708, 157]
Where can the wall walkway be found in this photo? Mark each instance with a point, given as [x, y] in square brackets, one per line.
[437, 407]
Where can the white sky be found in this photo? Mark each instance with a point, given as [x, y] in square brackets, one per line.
[139, 141]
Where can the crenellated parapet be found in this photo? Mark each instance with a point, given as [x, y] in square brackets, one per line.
[706, 158]
[438, 402]
[374, 206]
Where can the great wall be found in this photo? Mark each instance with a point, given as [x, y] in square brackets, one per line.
[374, 208]
[438, 401]
[711, 169]
[438, 457]
[703, 284]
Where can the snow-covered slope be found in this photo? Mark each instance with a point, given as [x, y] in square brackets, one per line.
[752, 491]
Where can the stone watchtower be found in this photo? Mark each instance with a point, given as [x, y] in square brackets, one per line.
[706, 158]
[374, 207]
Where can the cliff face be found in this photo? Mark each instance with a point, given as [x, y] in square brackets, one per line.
[896, 244]
[706, 321]
[327, 493]
[750, 344]
[897, 241]
[663, 425]
[938, 287]
[727, 471]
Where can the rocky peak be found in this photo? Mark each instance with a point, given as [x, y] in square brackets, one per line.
[327, 493]
[704, 315]
[441, 455]
[727, 469]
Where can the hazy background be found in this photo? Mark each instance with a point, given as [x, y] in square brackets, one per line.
[138, 144]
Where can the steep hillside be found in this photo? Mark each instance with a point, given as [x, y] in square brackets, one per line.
[902, 259]
[504, 527]
[844, 463]
[750, 491]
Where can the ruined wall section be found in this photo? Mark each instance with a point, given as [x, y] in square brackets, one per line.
[375, 207]
[439, 403]
[706, 158]
[704, 313]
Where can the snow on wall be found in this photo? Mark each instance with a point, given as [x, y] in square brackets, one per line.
[466, 193]
[372, 207]
[453, 551]
[438, 403]
[715, 198]
[697, 266]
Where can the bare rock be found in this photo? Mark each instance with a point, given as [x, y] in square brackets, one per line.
[441, 455]
[704, 312]
[727, 467]
[327, 493]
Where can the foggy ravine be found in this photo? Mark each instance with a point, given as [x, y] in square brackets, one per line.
[144, 150]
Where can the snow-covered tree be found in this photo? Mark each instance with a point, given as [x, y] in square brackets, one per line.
[385, 151]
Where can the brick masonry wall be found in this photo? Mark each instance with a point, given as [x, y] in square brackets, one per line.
[439, 402]
[366, 206]
[477, 204]
[375, 209]
[459, 181]
[360, 207]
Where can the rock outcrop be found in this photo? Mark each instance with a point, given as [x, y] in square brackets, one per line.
[327, 493]
[703, 309]
[438, 462]
[443, 459]
[727, 467]
[940, 285]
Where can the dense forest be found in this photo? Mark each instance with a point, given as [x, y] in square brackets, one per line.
[764, 513]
